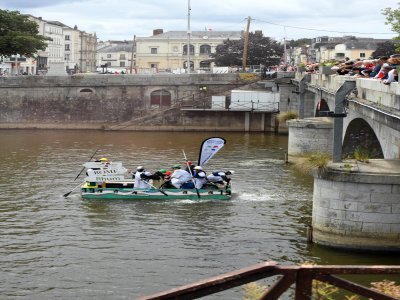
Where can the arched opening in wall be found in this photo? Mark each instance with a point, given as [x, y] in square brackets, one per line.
[322, 108]
[205, 49]
[160, 99]
[360, 141]
[86, 90]
[205, 65]
[191, 65]
[191, 49]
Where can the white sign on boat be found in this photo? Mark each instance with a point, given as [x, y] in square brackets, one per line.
[106, 178]
[111, 166]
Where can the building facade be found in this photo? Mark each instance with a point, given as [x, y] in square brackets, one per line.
[68, 49]
[169, 50]
[326, 48]
[116, 56]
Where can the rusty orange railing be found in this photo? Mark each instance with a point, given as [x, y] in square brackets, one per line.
[302, 276]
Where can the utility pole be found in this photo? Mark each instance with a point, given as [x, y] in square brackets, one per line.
[246, 44]
[284, 52]
[284, 49]
[133, 49]
[188, 43]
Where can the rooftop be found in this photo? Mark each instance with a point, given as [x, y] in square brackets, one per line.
[236, 35]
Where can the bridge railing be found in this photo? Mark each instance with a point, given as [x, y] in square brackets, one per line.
[370, 89]
[301, 276]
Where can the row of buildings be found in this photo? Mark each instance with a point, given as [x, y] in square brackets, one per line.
[168, 50]
[71, 50]
[324, 48]
[164, 51]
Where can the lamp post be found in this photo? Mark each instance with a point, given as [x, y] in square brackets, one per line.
[188, 43]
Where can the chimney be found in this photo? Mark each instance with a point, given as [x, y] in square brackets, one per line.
[158, 31]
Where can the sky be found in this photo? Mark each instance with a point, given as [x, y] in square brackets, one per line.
[290, 19]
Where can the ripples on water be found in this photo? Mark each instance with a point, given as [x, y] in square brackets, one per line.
[55, 247]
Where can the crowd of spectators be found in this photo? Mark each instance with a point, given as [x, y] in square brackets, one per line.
[383, 68]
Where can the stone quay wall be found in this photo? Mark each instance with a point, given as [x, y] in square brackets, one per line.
[357, 206]
[97, 101]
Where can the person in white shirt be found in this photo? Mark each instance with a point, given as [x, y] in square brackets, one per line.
[200, 177]
[219, 177]
[141, 182]
[179, 176]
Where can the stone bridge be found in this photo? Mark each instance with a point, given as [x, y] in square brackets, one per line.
[370, 113]
[356, 202]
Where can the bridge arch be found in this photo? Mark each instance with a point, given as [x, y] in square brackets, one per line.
[360, 138]
[322, 106]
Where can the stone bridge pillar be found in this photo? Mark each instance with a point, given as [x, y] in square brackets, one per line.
[357, 206]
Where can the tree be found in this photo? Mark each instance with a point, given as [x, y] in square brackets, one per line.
[261, 50]
[384, 49]
[19, 35]
[229, 53]
[299, 42]
[393, 19]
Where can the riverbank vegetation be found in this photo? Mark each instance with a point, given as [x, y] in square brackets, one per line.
[310, 162]
[287, 115]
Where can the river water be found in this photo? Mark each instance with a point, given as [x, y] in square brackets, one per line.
[55, 247]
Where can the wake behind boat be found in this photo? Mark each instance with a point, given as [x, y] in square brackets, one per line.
[107, 180]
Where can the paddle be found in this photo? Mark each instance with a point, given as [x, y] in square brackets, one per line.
[67, 194]
[84, 167]
[157, 188]
[191, 174]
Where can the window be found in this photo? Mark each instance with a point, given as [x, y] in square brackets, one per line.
[108, 55]
[122, 64]
[205, 65]
[153, 50]
[191, 50]
[205, 49]
[67, 37]
[153, 65]
[67, 47]
[122, 57]
[67, 57]
[362, 54]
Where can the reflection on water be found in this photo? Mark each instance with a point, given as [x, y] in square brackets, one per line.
[64, 247]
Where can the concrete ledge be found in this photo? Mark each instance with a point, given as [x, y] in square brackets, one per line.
[379, 171]
[367, 242]
[107, 127]
[94, 80]
[316, 123]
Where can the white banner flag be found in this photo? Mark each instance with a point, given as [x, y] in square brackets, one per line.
[209, 148]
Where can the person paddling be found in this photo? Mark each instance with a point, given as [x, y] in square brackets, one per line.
[200, 177]
[141, 181]
[179, 177]
[220, 176]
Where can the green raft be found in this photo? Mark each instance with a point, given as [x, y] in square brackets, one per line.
[126, 191]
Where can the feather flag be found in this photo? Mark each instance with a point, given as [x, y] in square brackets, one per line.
[209, 147]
